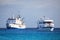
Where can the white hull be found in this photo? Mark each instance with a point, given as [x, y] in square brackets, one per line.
[46, 29]
[17, 26]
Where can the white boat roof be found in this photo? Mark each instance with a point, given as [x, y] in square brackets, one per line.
[48, 20]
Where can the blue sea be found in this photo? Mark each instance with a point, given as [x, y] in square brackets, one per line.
[29, 34]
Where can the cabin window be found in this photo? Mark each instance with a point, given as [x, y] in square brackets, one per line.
[40, 22]
[48, 22]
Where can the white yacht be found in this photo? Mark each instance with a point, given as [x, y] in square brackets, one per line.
[44, 24]
[15, 23]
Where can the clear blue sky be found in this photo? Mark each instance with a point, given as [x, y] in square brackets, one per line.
[31, 10]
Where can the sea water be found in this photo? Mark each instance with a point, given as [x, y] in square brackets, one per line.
[29, 34]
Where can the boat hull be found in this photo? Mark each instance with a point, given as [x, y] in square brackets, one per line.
[14, 26]
[46, 28]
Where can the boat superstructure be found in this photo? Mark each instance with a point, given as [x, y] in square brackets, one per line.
[44, 23]
[15, 23]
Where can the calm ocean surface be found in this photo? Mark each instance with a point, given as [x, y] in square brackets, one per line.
[29, 34]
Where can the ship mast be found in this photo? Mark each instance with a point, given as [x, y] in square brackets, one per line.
[13, 16]
[44, 17]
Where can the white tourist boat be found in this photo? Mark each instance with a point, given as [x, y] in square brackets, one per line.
[44, 24]
[15, 23]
